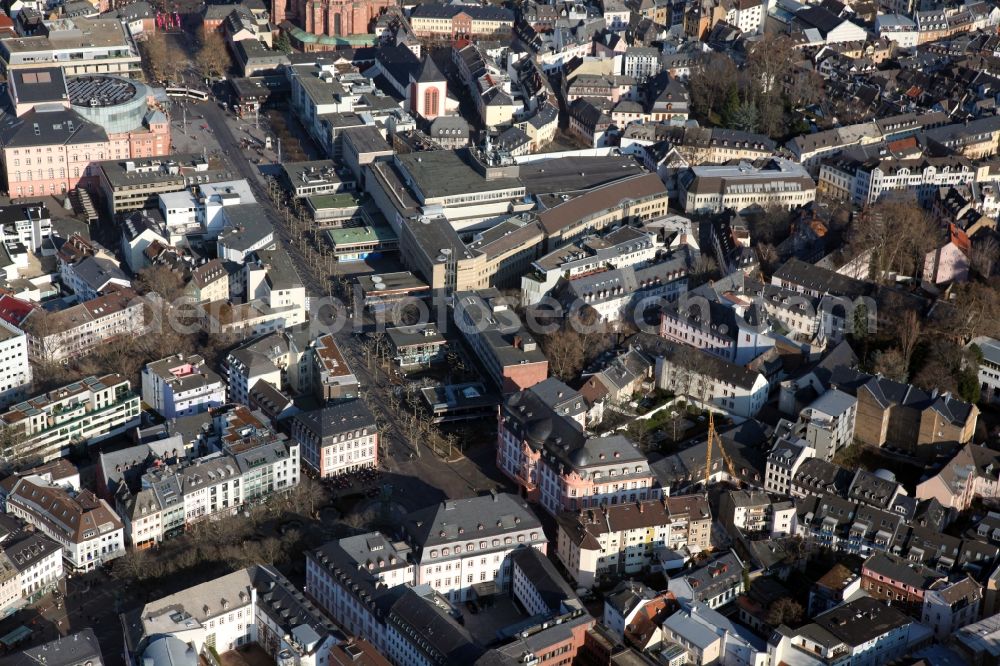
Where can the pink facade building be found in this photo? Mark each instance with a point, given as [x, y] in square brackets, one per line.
[60, 129]
[338, 439]
[542, 446]
[338, 18]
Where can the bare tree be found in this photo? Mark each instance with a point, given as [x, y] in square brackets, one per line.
[710, 85]
[973, 310]
[154, 54]
[12, 454]
[213, 56]
[772, 225]
[805, 86]
[596, 336]
[785, 611]
[699, 367]
[704, 268]
[133, 565]
[891, 363]
[768, 256]
[984, 257]
[566, 353]
[909, 334]
[769, 63]
[42, 330]
[161, 280]
[306, 496]
[897, 233]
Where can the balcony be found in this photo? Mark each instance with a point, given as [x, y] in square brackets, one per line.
[89, 414]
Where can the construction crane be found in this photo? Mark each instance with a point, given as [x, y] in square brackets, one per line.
[722, 451]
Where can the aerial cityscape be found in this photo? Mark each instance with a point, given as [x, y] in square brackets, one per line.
[499, 333]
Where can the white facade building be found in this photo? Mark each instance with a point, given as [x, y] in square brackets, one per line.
[623, 293]
[866, 181]
[864, 632]
[337, 439]
[897, 28]
[734, 333]
[27, 224]
[778, 182]
[366, 559]
[187, 212]
[15, 371]
[622, 540]
[949, 606]
[181, 386]
[619, 249]
[783, 462]
[829, 422]
[255, 466]
[86, 411]
[989, 368]
[747, 16]
[38, 561]
[217, 614]
[459, 543]
[707, 378]
[87, 529]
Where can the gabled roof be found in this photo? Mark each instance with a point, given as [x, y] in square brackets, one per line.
[41, 127]
[337, 419]
[900, 570]
[469, 518]
[822, 19]
[429, 72]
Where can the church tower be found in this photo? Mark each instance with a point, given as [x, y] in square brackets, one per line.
[428, 91]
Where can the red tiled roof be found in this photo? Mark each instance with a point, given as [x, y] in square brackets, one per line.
[959, 239]
[13, 310]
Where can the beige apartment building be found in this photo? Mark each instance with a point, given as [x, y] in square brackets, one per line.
[622, 539]
[496, 257]
[81, 327]
[641, 197]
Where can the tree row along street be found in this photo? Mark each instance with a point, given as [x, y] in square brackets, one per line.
[400, 433]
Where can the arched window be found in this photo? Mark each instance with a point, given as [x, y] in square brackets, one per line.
[431, 101]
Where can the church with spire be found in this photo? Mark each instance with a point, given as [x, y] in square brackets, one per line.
[428, 91]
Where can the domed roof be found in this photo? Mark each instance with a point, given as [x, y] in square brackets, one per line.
[579, 458]
[885, 475]
[538, 431]
[169, 651]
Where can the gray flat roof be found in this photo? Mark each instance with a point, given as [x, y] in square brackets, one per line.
[435, 235]
[117, 175]
[571, 174]
[248, 223]
[444, 173]
[403, 280]
[366, 139]
[402, 336]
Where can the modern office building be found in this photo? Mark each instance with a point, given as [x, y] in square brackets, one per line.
[90, 410]
[77, 46]
[510, 353]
